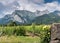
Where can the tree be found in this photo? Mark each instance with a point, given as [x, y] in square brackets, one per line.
[11, 23]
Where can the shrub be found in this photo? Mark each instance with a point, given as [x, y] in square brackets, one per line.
[20, 31]
[45, 34]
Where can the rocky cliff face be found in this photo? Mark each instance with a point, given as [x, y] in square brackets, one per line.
[55, 33]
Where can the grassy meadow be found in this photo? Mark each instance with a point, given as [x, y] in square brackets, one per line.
[25, 34]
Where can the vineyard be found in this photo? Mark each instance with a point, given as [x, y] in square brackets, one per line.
[25, 34]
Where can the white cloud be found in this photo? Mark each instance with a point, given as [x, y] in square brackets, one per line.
[31, 5]
[52, 6]
[42, 7]
[6, 1]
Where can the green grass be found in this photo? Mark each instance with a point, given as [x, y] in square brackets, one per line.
[19, 39]
[17, 34]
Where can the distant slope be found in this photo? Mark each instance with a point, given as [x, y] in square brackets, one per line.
[47, 18]
[18, 16]
[27, 17]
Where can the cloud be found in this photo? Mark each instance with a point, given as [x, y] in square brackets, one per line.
[52, 6]
[8, 6]
[6, 1]
[37, 1]
[11, 5]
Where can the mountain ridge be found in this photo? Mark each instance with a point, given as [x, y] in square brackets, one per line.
[27, 17]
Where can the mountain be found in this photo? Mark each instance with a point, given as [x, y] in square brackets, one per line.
[48, 18]
[18, 16]
[27, 17]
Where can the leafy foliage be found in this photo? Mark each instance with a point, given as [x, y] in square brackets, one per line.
[42, 31]
[45, 34]
[20, 31]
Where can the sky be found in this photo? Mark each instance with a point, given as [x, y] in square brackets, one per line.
[8, 6]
